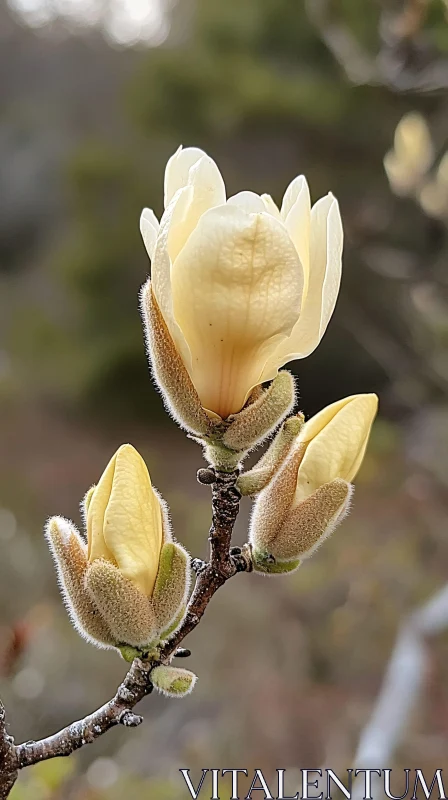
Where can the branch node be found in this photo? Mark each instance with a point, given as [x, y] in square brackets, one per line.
[198, 565]
[206, 476]
[182, 652]
[129, 719]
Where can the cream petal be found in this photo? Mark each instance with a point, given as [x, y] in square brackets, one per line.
[248, 201]
[208, 190]
[298, 225]
[149, 228]
[270, 206]
[316, 424]
[178, 169]
[170, 225]
[326, 240]
[292, 192]
[97, 547]
[413, 142]
[236, 286]
[337, 448]
[331, 225]
[133, 521]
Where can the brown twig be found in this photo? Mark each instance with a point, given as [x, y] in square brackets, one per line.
[224, 563]
[405, 61]
[8, 768]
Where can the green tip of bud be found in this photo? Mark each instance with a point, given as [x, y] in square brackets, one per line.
[172, 585]
[129, 653]
[173, 681]
[268, 565]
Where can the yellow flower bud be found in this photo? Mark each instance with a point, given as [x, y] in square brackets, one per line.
[243, 287]
[128, 586]
[334, 443]
[311, 492]
[408, 162]
[124, 520]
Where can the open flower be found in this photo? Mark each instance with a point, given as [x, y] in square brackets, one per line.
[127, 587]
[310, 494]
[242, 286]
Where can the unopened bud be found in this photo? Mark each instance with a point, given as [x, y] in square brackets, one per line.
[173, 681]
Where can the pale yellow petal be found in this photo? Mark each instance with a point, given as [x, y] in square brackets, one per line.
[413, 143]
[207, 191]
[248, 201]
[332, 254]
[133, 521]
[292, 192]
[320, 420]
[403, 180]
[171, 223]
[236, 286]
[149, 228]
[336, 450]
[412, 155]
[326, 241]
[270, 206]
[298, 225]
[97, 547]
[177, 170]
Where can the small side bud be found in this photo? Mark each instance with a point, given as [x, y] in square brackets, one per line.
[258, 419]
[173, 681]
[302, 530]
[169, 371]
[171, 589]
[256, 479]
[126, 609]
[70, 556]
[273, 503]
[313, 520]
[206, 476]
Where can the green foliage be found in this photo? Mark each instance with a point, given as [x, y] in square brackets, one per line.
[44, 781]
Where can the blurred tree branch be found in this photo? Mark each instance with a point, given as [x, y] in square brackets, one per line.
[223, 564]
[402, 685]
[405, 62]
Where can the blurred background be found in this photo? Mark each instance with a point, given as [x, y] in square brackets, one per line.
[95, 96]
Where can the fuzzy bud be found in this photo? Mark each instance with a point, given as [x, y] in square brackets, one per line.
[256, 479]
[170, 593]
[310, 494]
[169, 371]
[258, 419]
[173, 681]
[127, 611]
[128, 587]
[70, 556]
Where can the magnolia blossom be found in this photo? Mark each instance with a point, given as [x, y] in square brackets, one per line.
[333, 443]
[408, 162]
[243, 286]
[124, 520]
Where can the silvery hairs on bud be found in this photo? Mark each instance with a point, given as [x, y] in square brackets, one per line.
[173, 681]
